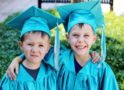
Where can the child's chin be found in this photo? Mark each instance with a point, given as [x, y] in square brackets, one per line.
[81, 53]
[35, 60]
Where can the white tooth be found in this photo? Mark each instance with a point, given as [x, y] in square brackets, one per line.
[80, 47]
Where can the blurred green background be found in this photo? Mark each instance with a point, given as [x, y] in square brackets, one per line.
[115, 44]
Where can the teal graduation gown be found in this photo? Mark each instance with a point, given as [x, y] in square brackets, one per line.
[90, 77]
[46, 79]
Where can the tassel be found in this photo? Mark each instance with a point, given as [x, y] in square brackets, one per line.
[56, 48]
[103, 47]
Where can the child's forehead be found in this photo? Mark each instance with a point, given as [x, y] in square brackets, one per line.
[40, 35]
[84, 27]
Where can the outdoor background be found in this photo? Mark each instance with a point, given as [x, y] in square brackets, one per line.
[114, 31]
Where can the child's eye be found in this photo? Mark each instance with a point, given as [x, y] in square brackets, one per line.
[30, 44]
[75, 35]
[40, 45]
[86, 35]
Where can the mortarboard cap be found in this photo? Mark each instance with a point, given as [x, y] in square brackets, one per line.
[34, 19]
[85, 12]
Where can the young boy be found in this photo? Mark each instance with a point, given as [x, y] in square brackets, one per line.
[77, 72]
[35, 73]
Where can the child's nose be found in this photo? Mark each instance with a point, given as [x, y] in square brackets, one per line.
[35, 49]
[81, 39]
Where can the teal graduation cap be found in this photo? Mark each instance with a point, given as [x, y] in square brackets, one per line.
[34, 19]
[89, 12]
[83, 12]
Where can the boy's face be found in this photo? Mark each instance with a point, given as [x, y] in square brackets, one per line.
[81, 39]
[35, 46]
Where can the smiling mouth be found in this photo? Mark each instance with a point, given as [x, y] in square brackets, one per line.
[80, 47]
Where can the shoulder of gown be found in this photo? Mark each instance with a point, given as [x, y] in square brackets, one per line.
[46, 80]
[90, 76]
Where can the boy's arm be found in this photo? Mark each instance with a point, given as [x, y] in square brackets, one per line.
[13, 67]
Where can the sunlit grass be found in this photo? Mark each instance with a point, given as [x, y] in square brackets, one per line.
[114, 26]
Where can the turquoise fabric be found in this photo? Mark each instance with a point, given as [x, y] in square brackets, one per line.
[90, 77]
[46, 79]
[34, 19]
[79, 11]
[81, 16]
[35, 24]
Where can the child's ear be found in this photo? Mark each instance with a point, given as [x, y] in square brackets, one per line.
[21, 45]
[94, 38]
[48, 47]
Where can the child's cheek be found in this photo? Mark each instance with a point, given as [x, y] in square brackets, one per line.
[72, 41]
[27, 48]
